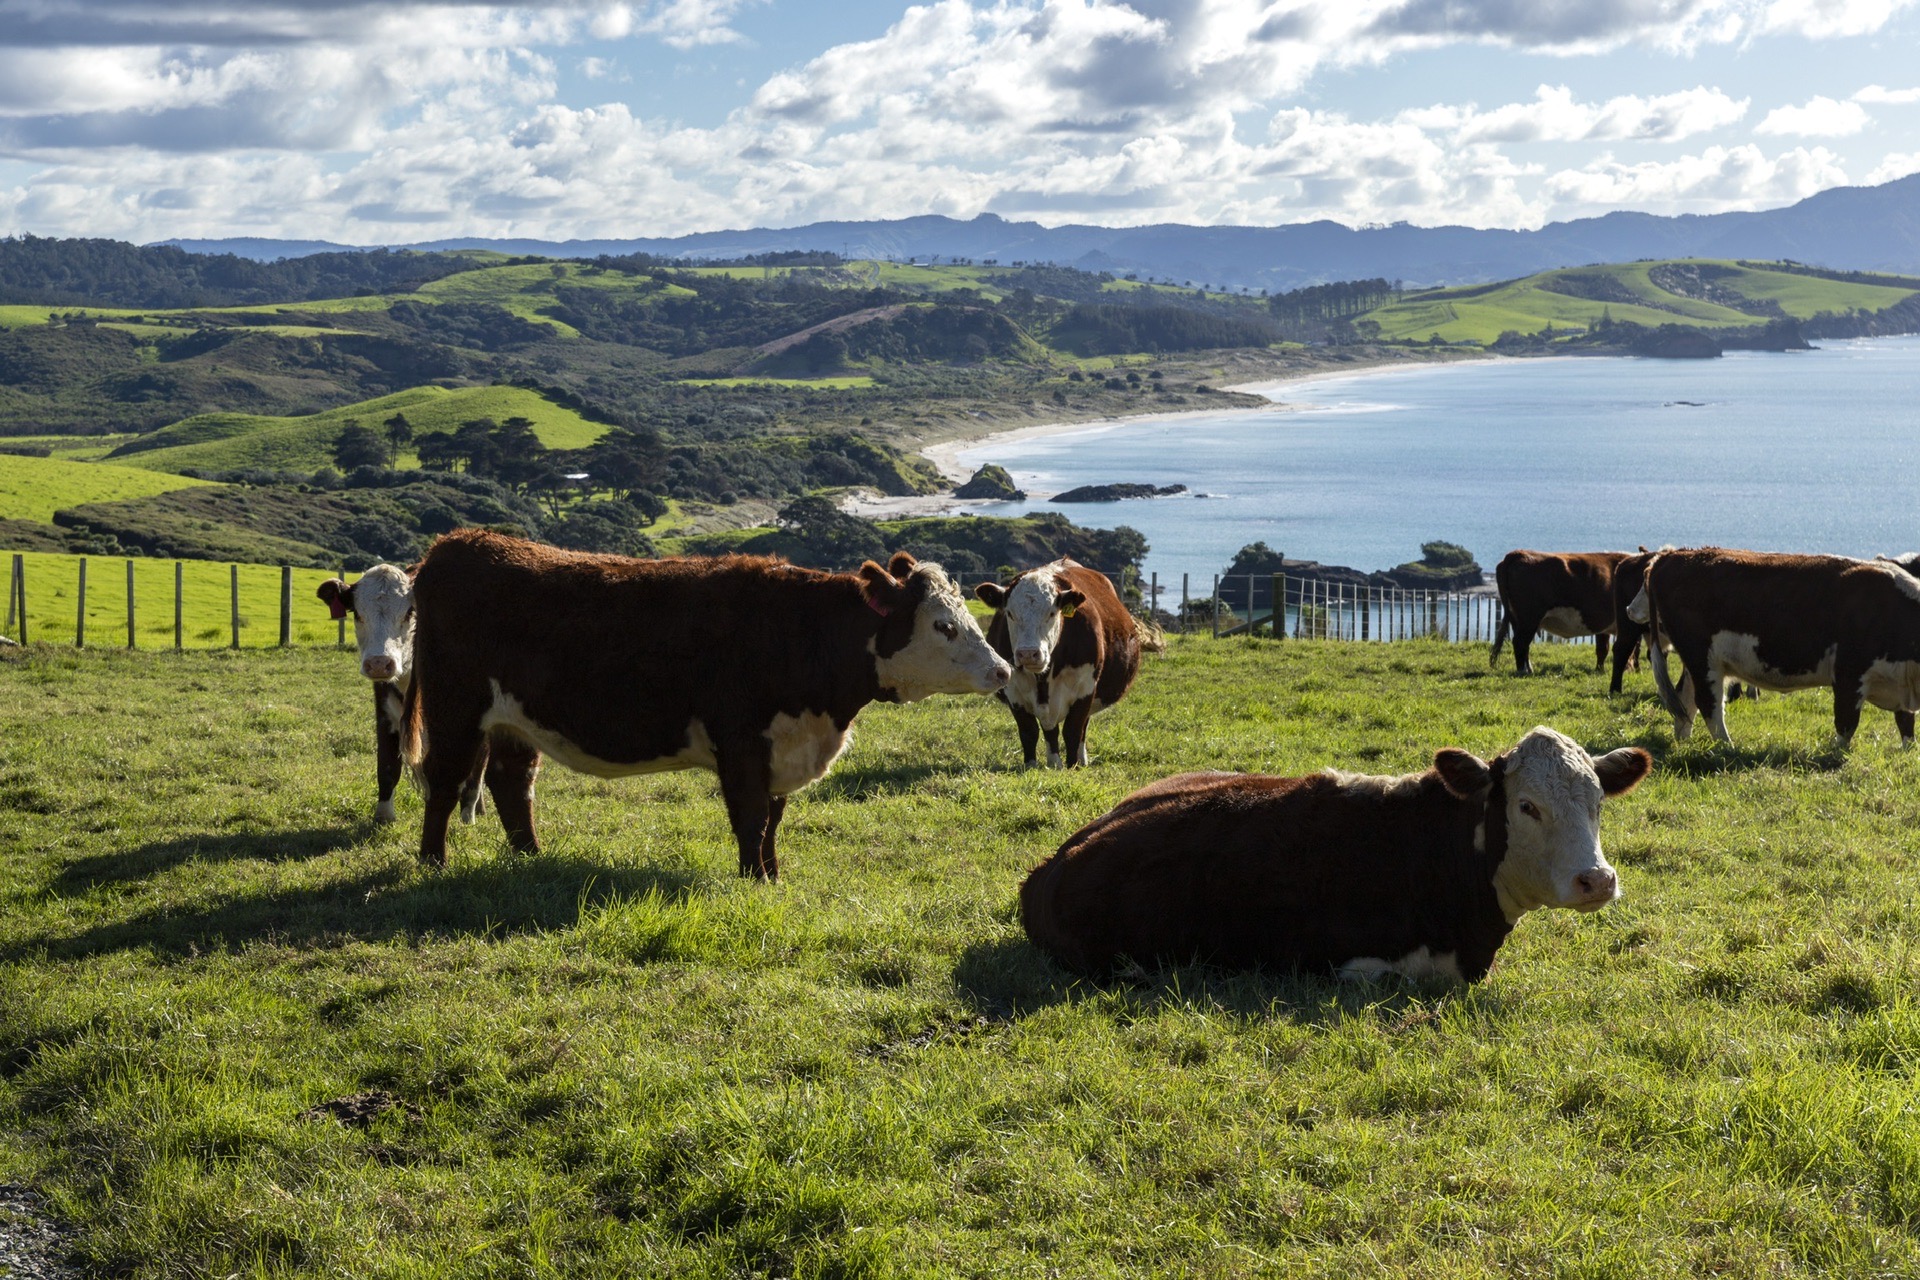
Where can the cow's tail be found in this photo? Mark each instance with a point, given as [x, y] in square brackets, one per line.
[1500, 632]
[1152, 638]
[413, 732]
[1662, 678]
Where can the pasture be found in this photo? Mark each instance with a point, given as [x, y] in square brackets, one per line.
[241, 1032]
[34, 488]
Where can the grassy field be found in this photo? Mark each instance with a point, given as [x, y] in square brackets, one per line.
[35, 488]
[615, 1059]
[1480, 314]
[233, 441]
[206, 603]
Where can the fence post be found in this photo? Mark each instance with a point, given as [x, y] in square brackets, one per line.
[233, 571]
[1278, 590]
[1153, 599]
[1433, 613]
[1216, 606]
[20, 576]
[178, 569]
[130, 643]
[80, 624]
[286, 605]
[13, 588]
[1183, 604]
[1366, 613]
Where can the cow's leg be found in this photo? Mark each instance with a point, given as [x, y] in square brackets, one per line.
[745, 776]
[1077, 716]
[386, 750]
[1623, 652]
[451, 755]
[1710, 696]
[1600, 643]
[1847, 697]
[1903, 721]
[511, 766]
[1029, 736]
[1688, 698]
[1525, 627]
[473, 801]
[1053, 746]
[769, 858]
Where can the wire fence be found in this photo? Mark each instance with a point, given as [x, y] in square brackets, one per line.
[181, 604]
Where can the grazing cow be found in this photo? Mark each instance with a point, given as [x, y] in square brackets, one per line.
[747, 666]
[1074, 648]
[1566, 594]
[1784, 622]
[381, 603]
[1422, 875]
[1627, 634]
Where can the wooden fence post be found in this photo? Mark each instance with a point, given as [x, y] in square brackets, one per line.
[1366, 613]
[1216, 606]
[13, 589]
[80, 624]
[20, 576]
[178, 570]
[286, 605]
[1278, 590]
[1183, 604]
[130, 643]
[233, 571]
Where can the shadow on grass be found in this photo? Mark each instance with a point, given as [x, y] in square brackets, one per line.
[1011, 979]
[846, 783]
[83, 874]
[1719, 758]
[508, 896]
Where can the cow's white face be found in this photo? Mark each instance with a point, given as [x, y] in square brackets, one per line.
[383, 622]
[946, 652]
[1553, 790]
[1036, 609]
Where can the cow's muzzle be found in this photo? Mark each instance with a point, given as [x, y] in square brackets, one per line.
[1031, 659]
[379, 668]
[1595, 889]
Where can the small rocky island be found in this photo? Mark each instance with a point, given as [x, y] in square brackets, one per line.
[1117, 492]
[992, 482]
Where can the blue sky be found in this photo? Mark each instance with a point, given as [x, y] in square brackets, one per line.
[395, 122]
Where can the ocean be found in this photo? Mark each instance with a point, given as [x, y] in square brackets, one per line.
[1798, 451]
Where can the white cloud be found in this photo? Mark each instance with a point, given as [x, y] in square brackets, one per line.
[1827, 19]
[1716, 180]
[1879, 94]
[1895, 166]
[1820, 118]
[1554, 116]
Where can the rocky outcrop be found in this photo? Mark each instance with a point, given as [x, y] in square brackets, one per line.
[1117, 492]
[992, 482]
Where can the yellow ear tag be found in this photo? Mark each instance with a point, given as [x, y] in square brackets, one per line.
[1066, 611]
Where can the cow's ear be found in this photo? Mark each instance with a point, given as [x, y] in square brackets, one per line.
[882, 592]
[1069, 602]
[338, 595]
[1620, 771]
[1462, 772]
[901, 565]
[991, 594]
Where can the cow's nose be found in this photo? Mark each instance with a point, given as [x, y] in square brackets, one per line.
[377, 668]
[1028, 658]
[1001, 674]
[1600, 883]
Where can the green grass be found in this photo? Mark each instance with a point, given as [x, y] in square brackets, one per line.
[844, 382]
[1481, 315]
[614, 1059]
[206, 603]
[35, 488]
[232, 441]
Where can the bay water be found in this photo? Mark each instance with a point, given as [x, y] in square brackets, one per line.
[1815, 451]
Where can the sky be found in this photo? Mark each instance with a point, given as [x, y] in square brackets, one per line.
[401, 122]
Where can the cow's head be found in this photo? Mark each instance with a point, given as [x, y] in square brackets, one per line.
[928, 643]
[382, 607]
[1546, 792]
[1036, 606]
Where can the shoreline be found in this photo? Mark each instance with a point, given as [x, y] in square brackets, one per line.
[945, 454]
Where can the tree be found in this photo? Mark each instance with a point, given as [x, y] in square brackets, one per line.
[399, 436]
[358, 446]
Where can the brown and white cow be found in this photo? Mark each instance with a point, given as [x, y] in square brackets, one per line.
[1628, 574]
[1074, 648]
[381, 603]
[749, 667]
[1784, 622]
[1422, 875]
[1566, 594]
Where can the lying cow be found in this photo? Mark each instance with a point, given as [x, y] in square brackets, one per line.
[1784, 622]
[1566, 594]
[1074, 648]
[381, 603]
[746, 666]
[1422, 875]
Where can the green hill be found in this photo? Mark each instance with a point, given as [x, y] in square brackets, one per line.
[1704, 293]
[34, 488]
[237, 441]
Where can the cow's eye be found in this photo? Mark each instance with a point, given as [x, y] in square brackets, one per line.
[1530, 809]
[946, 629]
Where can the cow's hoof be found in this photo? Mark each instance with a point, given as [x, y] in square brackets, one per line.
[384, 813]
[1053, 761]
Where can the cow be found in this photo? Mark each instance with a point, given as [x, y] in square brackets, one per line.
[1784, 622]
[1422, 875]
[1628, 574]
[1566, 594]
[381, 603]
[744, 665]
[1074, 648]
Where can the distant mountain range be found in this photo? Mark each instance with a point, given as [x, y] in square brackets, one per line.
[1846, 228]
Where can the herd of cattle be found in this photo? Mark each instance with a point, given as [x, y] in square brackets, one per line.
[493, 653]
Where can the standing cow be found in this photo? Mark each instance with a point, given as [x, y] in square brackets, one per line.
[1074, 648]
[381, 603]
[1784, 622]
[1422, 875]
[1628, 574]
[1566, 594]
[746, 666]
